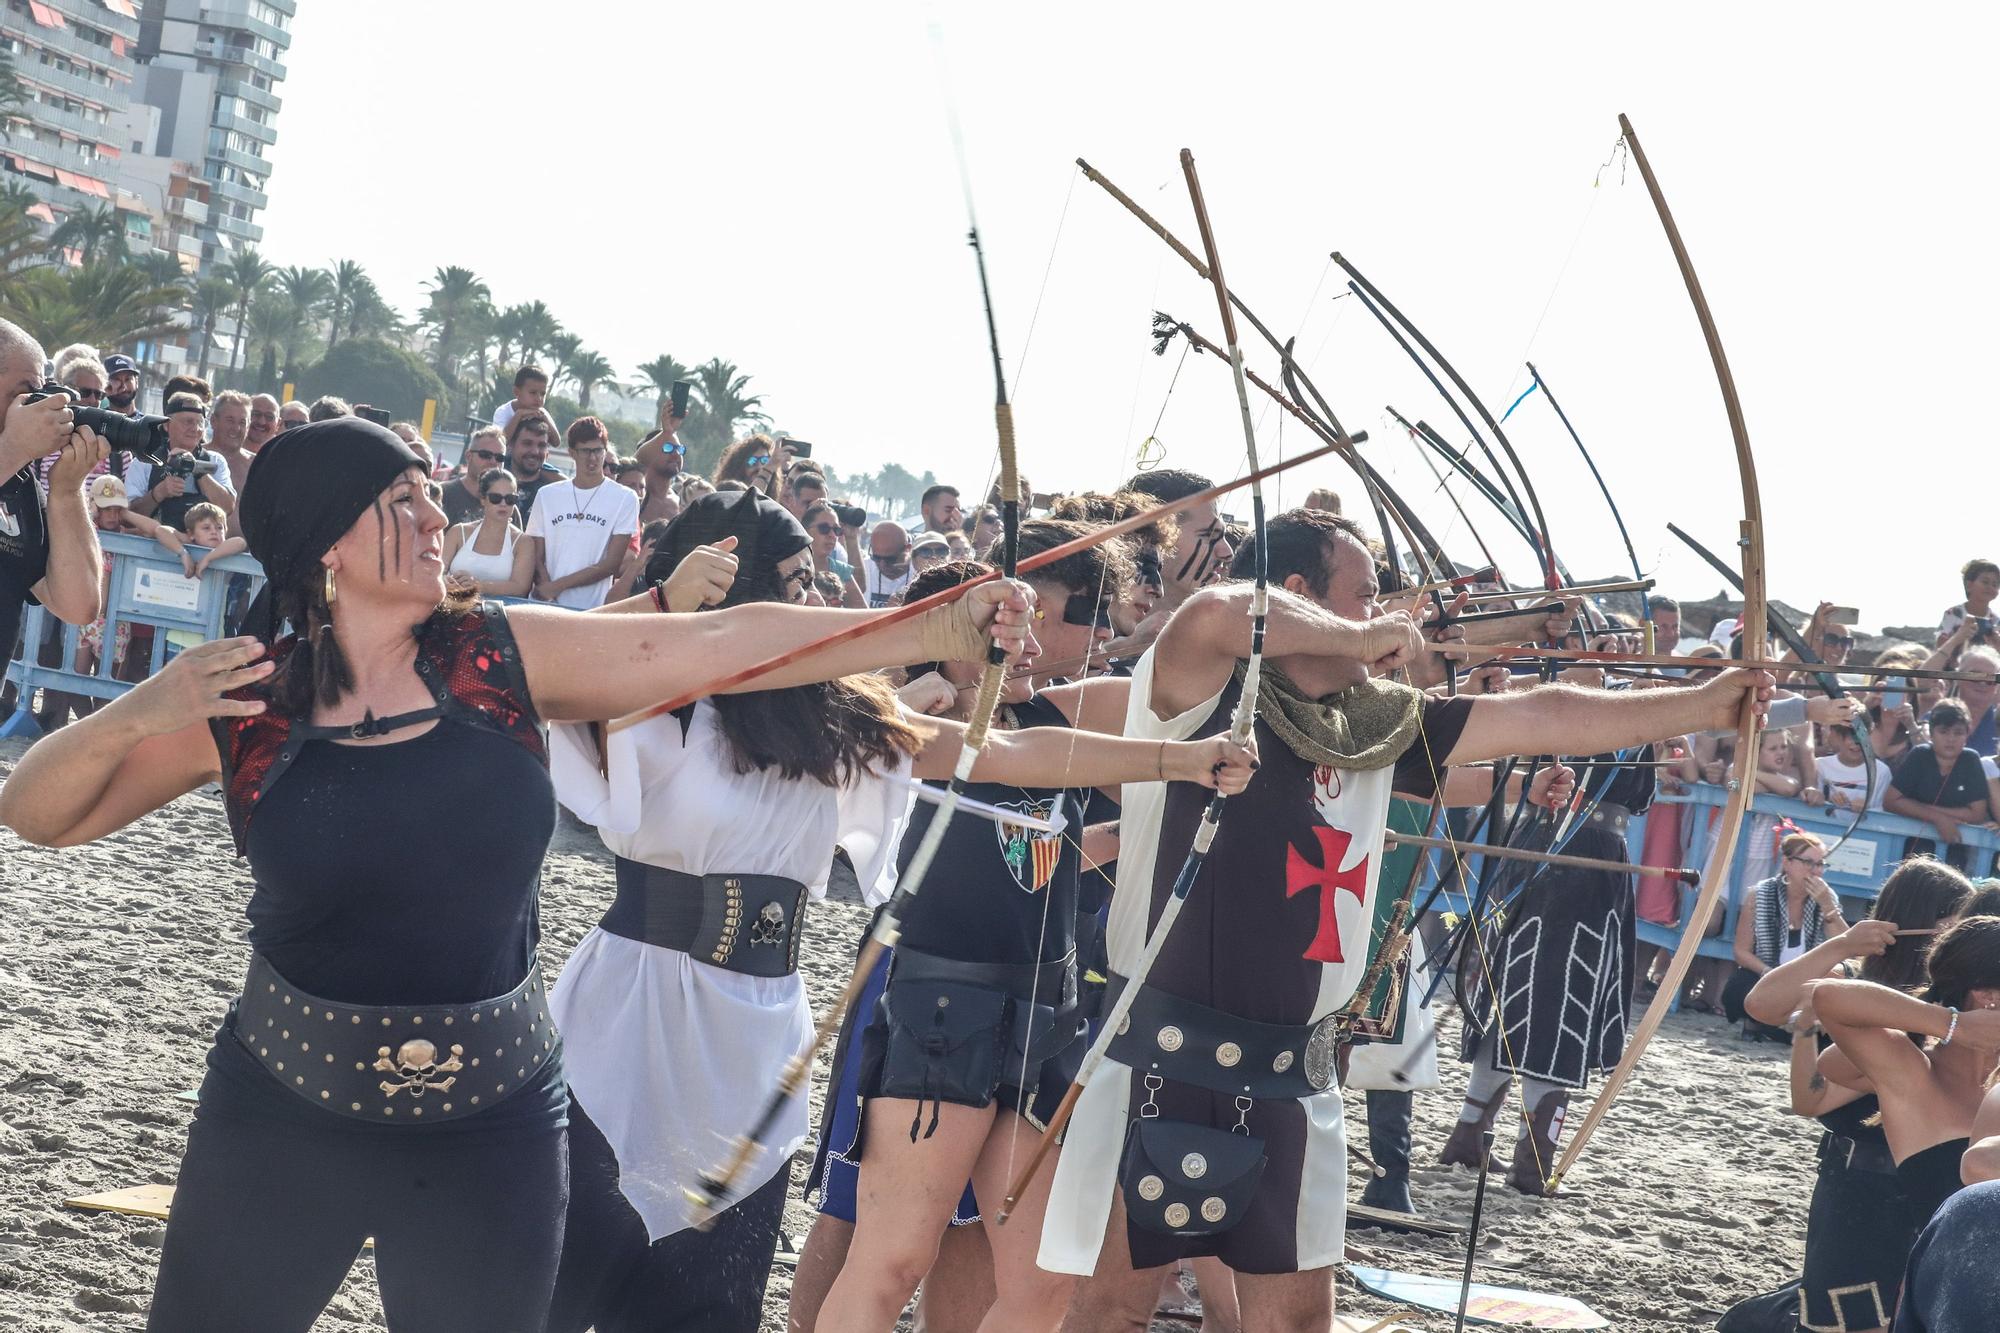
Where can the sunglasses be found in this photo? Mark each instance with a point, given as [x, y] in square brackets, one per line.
[1838, 640]
[88, 395]
[758, 460]
[507, 498]
[490, 455]
[827, 529]
[673, 448]
[889, 559]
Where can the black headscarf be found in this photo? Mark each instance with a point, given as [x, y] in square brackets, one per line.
[306, 488]
[765, 532]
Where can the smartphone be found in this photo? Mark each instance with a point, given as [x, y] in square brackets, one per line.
[1893, 699]
[800, 448]
[378, 415]
[680, 397]
[1042, 500]
[1844, 615]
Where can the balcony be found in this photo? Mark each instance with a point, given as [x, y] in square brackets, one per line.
[241, 161]
[63, 81]
[41, 113]
[241, 230]
[187, 209]
[249, 92]
[97, 16]
[65, 40]
[187, 243]
[226, 120]
[236, 14]
[231, 192]
[226, 54]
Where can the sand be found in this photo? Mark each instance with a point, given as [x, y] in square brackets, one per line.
[117, 960]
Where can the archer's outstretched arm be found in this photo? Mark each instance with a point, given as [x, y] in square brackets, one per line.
[1566, 720]
[1202, 643]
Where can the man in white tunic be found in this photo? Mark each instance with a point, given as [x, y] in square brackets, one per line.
[1216, 1126]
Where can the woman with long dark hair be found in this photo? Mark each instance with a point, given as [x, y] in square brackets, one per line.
[753, 461]
[684, 1004]
[1858, 1228]
[1929, 1092]
[389, 1069]
[979, 1029]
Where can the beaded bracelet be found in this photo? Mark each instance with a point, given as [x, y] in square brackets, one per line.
[1951, 1029]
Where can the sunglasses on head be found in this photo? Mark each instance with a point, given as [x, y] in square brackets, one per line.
[490, 455]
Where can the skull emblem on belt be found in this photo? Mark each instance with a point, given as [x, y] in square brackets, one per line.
[416, 1067]
[769, 927]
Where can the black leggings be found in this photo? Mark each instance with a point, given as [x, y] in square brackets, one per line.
[267, 1219]
[614, 1281]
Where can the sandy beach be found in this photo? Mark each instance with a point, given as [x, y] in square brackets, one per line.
[117, 960]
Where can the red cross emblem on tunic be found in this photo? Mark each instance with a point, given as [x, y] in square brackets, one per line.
[1329, 879]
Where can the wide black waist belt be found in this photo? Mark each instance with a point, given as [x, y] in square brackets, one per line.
[743, 923]
[1192, 1043]
[1611, 817]
[1871, 1155]
[1052, 983]
[395, 1064]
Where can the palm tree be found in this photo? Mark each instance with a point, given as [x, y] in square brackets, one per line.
[304, 292]
[660, 373]
[16, 197]
[590, 369]
[273, 318]
[246, 271]
[455, 293]
[347, 279]
[212, 296]
[537, 328]
[95, 233]
[163, 269]
[11, 93]
[103, 304]
[723, 394]
[20, 241]
[372, 317]
[563, 347]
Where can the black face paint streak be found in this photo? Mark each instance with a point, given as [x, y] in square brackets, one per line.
[1188, 567]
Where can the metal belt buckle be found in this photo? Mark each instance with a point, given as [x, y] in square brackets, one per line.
[1321, 1048]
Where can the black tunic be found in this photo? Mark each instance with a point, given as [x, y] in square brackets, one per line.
[1565, 945]
[1858, 1229]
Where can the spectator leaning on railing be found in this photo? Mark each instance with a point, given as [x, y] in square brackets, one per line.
[191, 473]
[1942, 783]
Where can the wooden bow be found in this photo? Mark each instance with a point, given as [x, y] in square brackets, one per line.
[1751, 540]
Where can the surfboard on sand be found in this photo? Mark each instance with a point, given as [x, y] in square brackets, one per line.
[1511, 1306]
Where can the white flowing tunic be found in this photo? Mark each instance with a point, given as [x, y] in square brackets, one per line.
[670, 1057]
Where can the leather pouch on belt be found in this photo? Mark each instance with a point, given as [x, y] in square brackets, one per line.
[1180, 1179]
[943, 1041]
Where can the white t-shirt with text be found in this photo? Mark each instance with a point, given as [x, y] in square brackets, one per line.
[575, 526]
[1851, 780]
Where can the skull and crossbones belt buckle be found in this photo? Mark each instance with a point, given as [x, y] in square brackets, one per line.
[395, 1064]
[744, 923]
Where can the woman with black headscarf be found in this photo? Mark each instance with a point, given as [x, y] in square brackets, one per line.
[683, 1005]
[390, 1069]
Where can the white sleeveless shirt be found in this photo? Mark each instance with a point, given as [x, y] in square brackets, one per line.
[485, 568]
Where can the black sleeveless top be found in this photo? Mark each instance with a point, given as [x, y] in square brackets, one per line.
[1930, 1177]
[997, 891]
[401, 873]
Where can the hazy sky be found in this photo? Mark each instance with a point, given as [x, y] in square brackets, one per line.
[775, 185]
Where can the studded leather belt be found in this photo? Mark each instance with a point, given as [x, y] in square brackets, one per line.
[1191, 1043]
[395, 1064]
[1610, 816]
[743, 923]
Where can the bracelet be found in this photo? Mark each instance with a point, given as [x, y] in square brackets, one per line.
[1951, 1030]
[660, 596]
[1160, 762]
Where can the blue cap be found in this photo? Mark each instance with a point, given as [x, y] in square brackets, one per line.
[117, 362]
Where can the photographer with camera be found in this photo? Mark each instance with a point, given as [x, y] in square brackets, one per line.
[48, 545]
[188, 475]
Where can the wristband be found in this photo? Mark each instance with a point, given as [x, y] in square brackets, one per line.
[1951, 1029]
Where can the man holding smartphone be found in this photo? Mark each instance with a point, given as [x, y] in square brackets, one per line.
[664, 457]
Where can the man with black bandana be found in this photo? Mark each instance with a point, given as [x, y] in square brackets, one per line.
[1213, 1128]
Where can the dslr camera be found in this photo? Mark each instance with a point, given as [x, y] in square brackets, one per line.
[142, 435]
[203, 464]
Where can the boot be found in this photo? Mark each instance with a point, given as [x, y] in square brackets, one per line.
[1468, 1137]
[1535, 1151]
[1389, 1145]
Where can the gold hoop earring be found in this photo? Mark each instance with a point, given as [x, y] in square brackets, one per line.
[331, 593]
